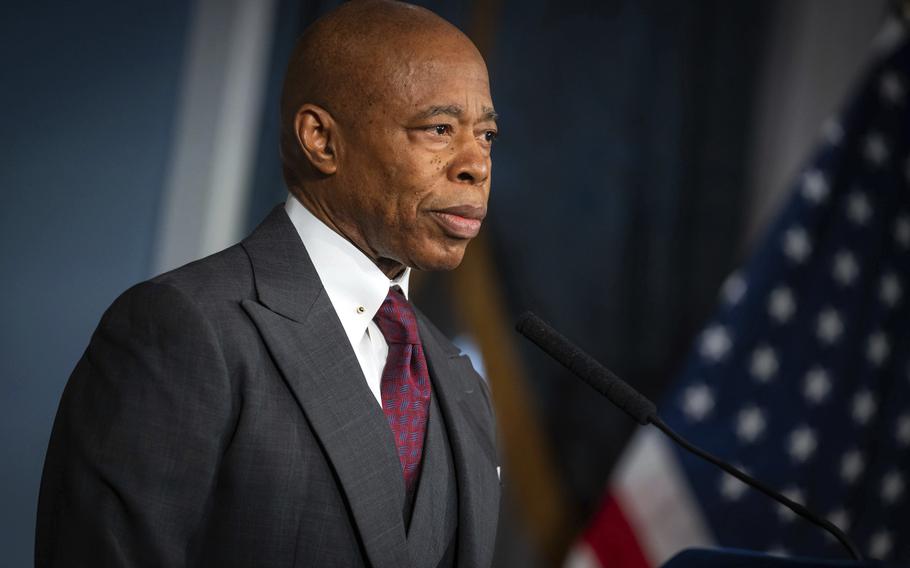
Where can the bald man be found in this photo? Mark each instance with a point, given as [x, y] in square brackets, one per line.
[281, 403]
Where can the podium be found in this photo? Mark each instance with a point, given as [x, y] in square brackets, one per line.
[733, 558]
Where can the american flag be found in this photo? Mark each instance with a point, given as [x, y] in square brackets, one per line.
[802, 377]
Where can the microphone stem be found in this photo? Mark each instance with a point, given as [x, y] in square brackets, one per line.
[749, 480]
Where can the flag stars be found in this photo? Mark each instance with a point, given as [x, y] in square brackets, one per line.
[891, 88]
[750, 424]
[764, 364]
[878, 348]
[875, 149]
[852, 465]
[794, 494]
[698, 402]
[840, 519]
[889, 290]
[829, 327]
[731, 488]
[815, 187]
[778, 550]
[801, 444]
[880, 544]
[863, 407]
[733, 289]
[846, 269]
[832, 132]
[797, 245]
[902, 430]
[781, 304]
[715, 343]
[902, 231]
[858, 208]
[892, 487]
[816, 385]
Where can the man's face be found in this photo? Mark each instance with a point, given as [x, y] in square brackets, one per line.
[414, 165]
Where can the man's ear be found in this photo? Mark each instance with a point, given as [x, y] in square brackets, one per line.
[317, 137]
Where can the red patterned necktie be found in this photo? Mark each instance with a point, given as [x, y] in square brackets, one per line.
[405, 384]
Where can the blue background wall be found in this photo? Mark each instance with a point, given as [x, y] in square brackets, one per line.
[88, 100]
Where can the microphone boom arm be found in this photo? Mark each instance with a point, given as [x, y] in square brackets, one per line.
[761, 486]
[643, 411]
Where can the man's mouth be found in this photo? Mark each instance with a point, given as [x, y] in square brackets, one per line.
[460, 222]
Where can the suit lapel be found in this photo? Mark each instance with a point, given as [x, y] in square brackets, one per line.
[306, 340]
[472, 447]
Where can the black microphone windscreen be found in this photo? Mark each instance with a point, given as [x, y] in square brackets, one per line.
[587, 368]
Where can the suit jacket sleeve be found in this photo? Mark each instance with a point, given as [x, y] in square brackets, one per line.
[137, 439]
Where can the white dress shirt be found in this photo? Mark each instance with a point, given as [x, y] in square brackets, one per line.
[356, 288]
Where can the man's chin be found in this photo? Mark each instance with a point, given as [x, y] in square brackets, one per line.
[446, 259]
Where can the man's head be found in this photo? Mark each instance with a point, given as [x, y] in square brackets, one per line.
[387, 124]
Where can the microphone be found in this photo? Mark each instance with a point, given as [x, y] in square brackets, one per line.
[643, 411]
[587, 368]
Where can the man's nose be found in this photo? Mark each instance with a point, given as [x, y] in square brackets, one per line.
[471, 165]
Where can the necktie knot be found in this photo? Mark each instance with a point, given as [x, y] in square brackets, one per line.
[396, 319]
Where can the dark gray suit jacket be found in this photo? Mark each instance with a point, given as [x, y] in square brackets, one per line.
[219, 417]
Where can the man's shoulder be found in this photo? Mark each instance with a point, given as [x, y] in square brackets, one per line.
[203, 287]
[225, 275]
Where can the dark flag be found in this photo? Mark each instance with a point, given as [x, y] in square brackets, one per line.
[802, 377]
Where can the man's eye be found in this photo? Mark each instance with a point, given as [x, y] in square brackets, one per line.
[440, 129]
[490, 135]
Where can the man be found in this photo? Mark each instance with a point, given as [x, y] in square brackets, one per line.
[281, 403]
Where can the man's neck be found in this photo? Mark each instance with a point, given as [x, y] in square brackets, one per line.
[391, 268]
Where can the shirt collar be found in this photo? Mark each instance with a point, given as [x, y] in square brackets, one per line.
[356, 287]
